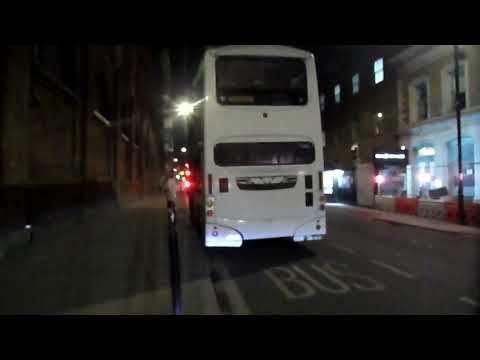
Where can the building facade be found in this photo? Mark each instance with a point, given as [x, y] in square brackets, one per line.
[78, 126]
[427, 119]
[358, 95]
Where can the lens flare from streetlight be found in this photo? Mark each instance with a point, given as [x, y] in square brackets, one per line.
[185, 109]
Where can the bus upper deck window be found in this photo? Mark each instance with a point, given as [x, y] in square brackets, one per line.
[260, 80]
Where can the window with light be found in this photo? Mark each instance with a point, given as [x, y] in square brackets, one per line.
[355, 84]
[378, 70]
[336, 91]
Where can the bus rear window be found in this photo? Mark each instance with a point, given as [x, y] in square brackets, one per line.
[264, 154]
[261, 81]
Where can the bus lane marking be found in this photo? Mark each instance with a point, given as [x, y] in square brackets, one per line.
[393, 269]
[296, 282]
[342, 287]
[291, 278]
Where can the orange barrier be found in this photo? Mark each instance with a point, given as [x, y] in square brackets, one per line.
[406, 205]
[472, 212]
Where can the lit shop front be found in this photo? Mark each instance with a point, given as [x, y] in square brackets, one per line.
[390, 171]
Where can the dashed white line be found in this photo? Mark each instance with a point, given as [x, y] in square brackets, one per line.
[469, 301]
[393, 269]
[342, 248]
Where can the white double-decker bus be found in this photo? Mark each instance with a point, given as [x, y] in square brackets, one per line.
[259, 146]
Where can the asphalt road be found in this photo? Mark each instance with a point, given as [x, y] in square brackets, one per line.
[366, 266]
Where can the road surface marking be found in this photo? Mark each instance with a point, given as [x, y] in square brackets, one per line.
[343, 287]
[375, 285]
[281, 283]
[230, 288]
[342, 248]
[392, 269]
[469, 301]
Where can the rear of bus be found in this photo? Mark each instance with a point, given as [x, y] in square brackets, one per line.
[263, 150]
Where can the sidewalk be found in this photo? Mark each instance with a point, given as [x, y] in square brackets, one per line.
[411, 220]
[198, 291]
[110, 261]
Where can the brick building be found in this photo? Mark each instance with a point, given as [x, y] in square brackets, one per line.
[79, 125]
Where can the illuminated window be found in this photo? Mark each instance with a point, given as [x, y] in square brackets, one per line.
[355, 84]
[322, 102]
[378, 70]
[336, 91]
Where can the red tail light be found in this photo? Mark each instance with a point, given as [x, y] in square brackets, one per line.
[223, 185]
[379, 179]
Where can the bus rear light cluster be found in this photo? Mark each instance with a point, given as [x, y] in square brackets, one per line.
[210, 206]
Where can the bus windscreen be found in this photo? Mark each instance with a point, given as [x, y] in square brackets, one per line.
[261, 81]
[264, 154]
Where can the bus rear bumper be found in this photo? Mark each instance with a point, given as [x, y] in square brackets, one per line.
[222, 236]
[312, 230]
[233, 233]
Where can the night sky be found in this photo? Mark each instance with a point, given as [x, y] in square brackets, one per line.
[186, 58]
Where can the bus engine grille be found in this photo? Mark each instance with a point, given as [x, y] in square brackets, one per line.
[266, 182]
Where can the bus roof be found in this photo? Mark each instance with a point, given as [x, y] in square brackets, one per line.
[265, 50]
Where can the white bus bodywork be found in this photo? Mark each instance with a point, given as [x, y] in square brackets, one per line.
[238, 215]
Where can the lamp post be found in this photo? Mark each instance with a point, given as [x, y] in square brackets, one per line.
[458, 108]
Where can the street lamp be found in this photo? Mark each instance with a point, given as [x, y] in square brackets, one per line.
[175, 160]
[461, 209]
[183, 149]
[185, 109]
